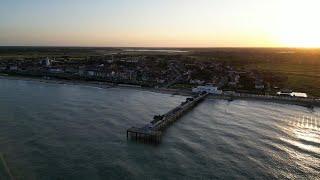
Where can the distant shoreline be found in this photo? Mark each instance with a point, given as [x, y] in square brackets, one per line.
[306, 102]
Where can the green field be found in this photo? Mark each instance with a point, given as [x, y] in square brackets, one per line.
[304, 78]
[300, 67]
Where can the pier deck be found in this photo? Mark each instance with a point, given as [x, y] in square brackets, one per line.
[152, 132]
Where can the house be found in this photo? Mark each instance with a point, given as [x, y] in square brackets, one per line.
[161, 81]
[3, 68]
[259, 84]
[91, 73]
[101, 74]
[292, 94]
[13, 68]
[45, 62]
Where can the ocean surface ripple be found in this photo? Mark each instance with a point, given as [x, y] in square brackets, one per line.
[56, 131]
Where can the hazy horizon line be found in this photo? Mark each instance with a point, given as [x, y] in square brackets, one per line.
[165, 47]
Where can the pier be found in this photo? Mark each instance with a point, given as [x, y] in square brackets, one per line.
[152, 132]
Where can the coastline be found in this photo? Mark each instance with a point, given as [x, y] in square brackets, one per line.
[308, 103]
[59, 81]
[104, 85]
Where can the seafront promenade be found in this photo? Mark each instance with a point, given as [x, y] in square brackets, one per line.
[307, 102]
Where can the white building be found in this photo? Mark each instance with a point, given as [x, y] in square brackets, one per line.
[207, 89]
[293, 94]
[46, 62]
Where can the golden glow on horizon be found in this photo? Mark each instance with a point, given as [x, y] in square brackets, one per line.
[167, 23]
[298, 24]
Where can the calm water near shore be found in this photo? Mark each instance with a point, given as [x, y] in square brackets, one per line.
[57, 131]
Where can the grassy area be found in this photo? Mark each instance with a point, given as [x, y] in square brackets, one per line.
[300, 67]
[304, 78]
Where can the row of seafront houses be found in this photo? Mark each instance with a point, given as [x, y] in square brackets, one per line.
[131, 75]
[99, 72]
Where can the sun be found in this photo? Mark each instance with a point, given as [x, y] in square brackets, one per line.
[298, 23]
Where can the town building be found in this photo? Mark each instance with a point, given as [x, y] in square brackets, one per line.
[208, 89]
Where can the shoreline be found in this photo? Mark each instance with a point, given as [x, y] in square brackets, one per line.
[105, 85]
[308, 103]
[59, 81]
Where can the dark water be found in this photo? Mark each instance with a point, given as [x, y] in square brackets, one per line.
[54, 131]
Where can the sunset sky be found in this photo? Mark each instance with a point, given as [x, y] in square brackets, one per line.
[160, 23]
